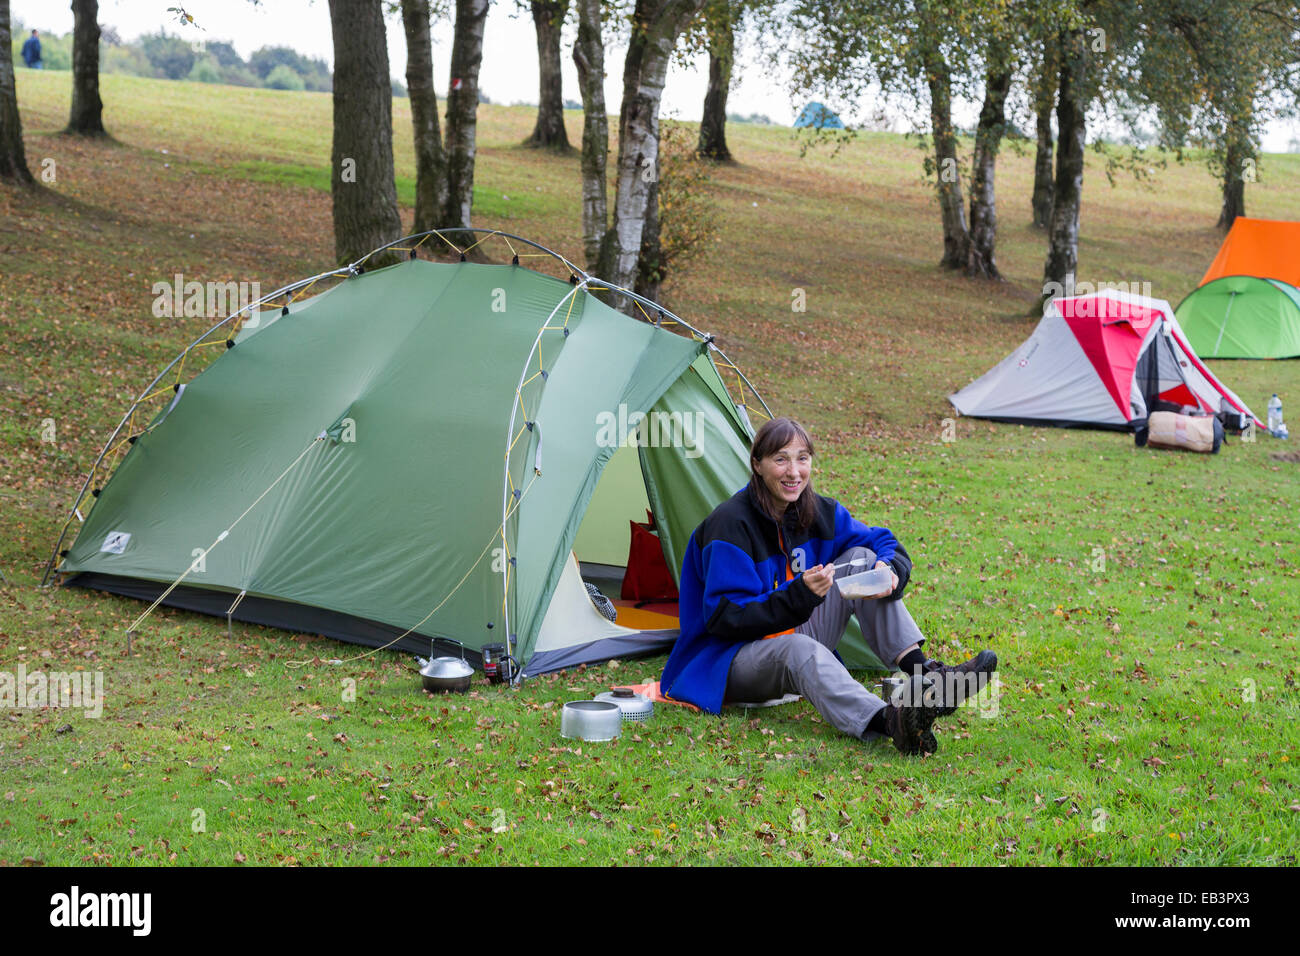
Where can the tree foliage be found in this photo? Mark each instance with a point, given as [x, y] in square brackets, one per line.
[688, 212]
[170, 56]
[1215, 71]
[314, 73]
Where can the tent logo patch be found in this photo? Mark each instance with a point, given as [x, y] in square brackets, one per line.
[115, 543]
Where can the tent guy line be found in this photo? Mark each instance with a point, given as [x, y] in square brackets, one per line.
[450, 594]
[148, 392]
[135, 626]
[221, 537]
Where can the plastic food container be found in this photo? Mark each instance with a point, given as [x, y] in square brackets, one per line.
[869, 584]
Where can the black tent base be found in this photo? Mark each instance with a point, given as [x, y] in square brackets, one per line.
[305, 619]
[286, 615]
[1058, 423]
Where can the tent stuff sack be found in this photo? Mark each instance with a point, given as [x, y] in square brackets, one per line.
[1198, 433]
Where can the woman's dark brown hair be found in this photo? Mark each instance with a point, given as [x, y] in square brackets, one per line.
[771, 438]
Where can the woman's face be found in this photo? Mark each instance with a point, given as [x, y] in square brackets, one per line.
[786, 472]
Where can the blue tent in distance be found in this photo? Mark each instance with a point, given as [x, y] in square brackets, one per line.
[817, 116]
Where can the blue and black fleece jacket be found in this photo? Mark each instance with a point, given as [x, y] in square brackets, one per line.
[734, 587]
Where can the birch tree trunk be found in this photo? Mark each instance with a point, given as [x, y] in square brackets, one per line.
[86, 117]
[656, 26]
[1063, 235]
[430, 160]
[361, 176]
[956, 239]
[589, 57]
[462, 112]
[983, 203]
[650, 276]
[13, 158]
[1239, 153]
[549, 132]
[713, 124]
[1044, 101]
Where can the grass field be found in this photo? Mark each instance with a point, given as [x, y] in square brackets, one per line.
[1144, 604]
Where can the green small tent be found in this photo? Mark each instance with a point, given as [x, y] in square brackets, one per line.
[411, 454]
[1240, 316]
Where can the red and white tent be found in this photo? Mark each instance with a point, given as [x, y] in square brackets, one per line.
[1100, 360]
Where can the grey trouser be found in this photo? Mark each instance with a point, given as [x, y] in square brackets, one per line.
[804, 662]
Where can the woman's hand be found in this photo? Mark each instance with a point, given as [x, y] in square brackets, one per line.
[820, 579]
[893, 576]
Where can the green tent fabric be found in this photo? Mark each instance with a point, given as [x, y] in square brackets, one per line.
[341, 469]
[1242, 317]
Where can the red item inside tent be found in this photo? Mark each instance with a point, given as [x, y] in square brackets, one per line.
[647, 577]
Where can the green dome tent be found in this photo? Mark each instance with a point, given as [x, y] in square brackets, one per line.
[417, 452]
[1242, 317]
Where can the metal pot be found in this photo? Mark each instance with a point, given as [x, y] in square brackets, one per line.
[899, 689]
[591, 720]
[446, 675]
[889, 686]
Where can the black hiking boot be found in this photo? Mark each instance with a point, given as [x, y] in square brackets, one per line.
[908, 716]
[954, 683]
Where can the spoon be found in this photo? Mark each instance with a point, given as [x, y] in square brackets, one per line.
[854, 563]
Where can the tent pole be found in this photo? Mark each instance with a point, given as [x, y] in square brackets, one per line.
[747, 382]
[570, 296]
[90, 476]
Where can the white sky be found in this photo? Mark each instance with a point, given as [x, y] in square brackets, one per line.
[509, 71]
[508, 74]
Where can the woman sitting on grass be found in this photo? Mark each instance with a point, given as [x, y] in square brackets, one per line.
[761, 617]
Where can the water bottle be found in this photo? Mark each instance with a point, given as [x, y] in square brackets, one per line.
[1275, 415]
